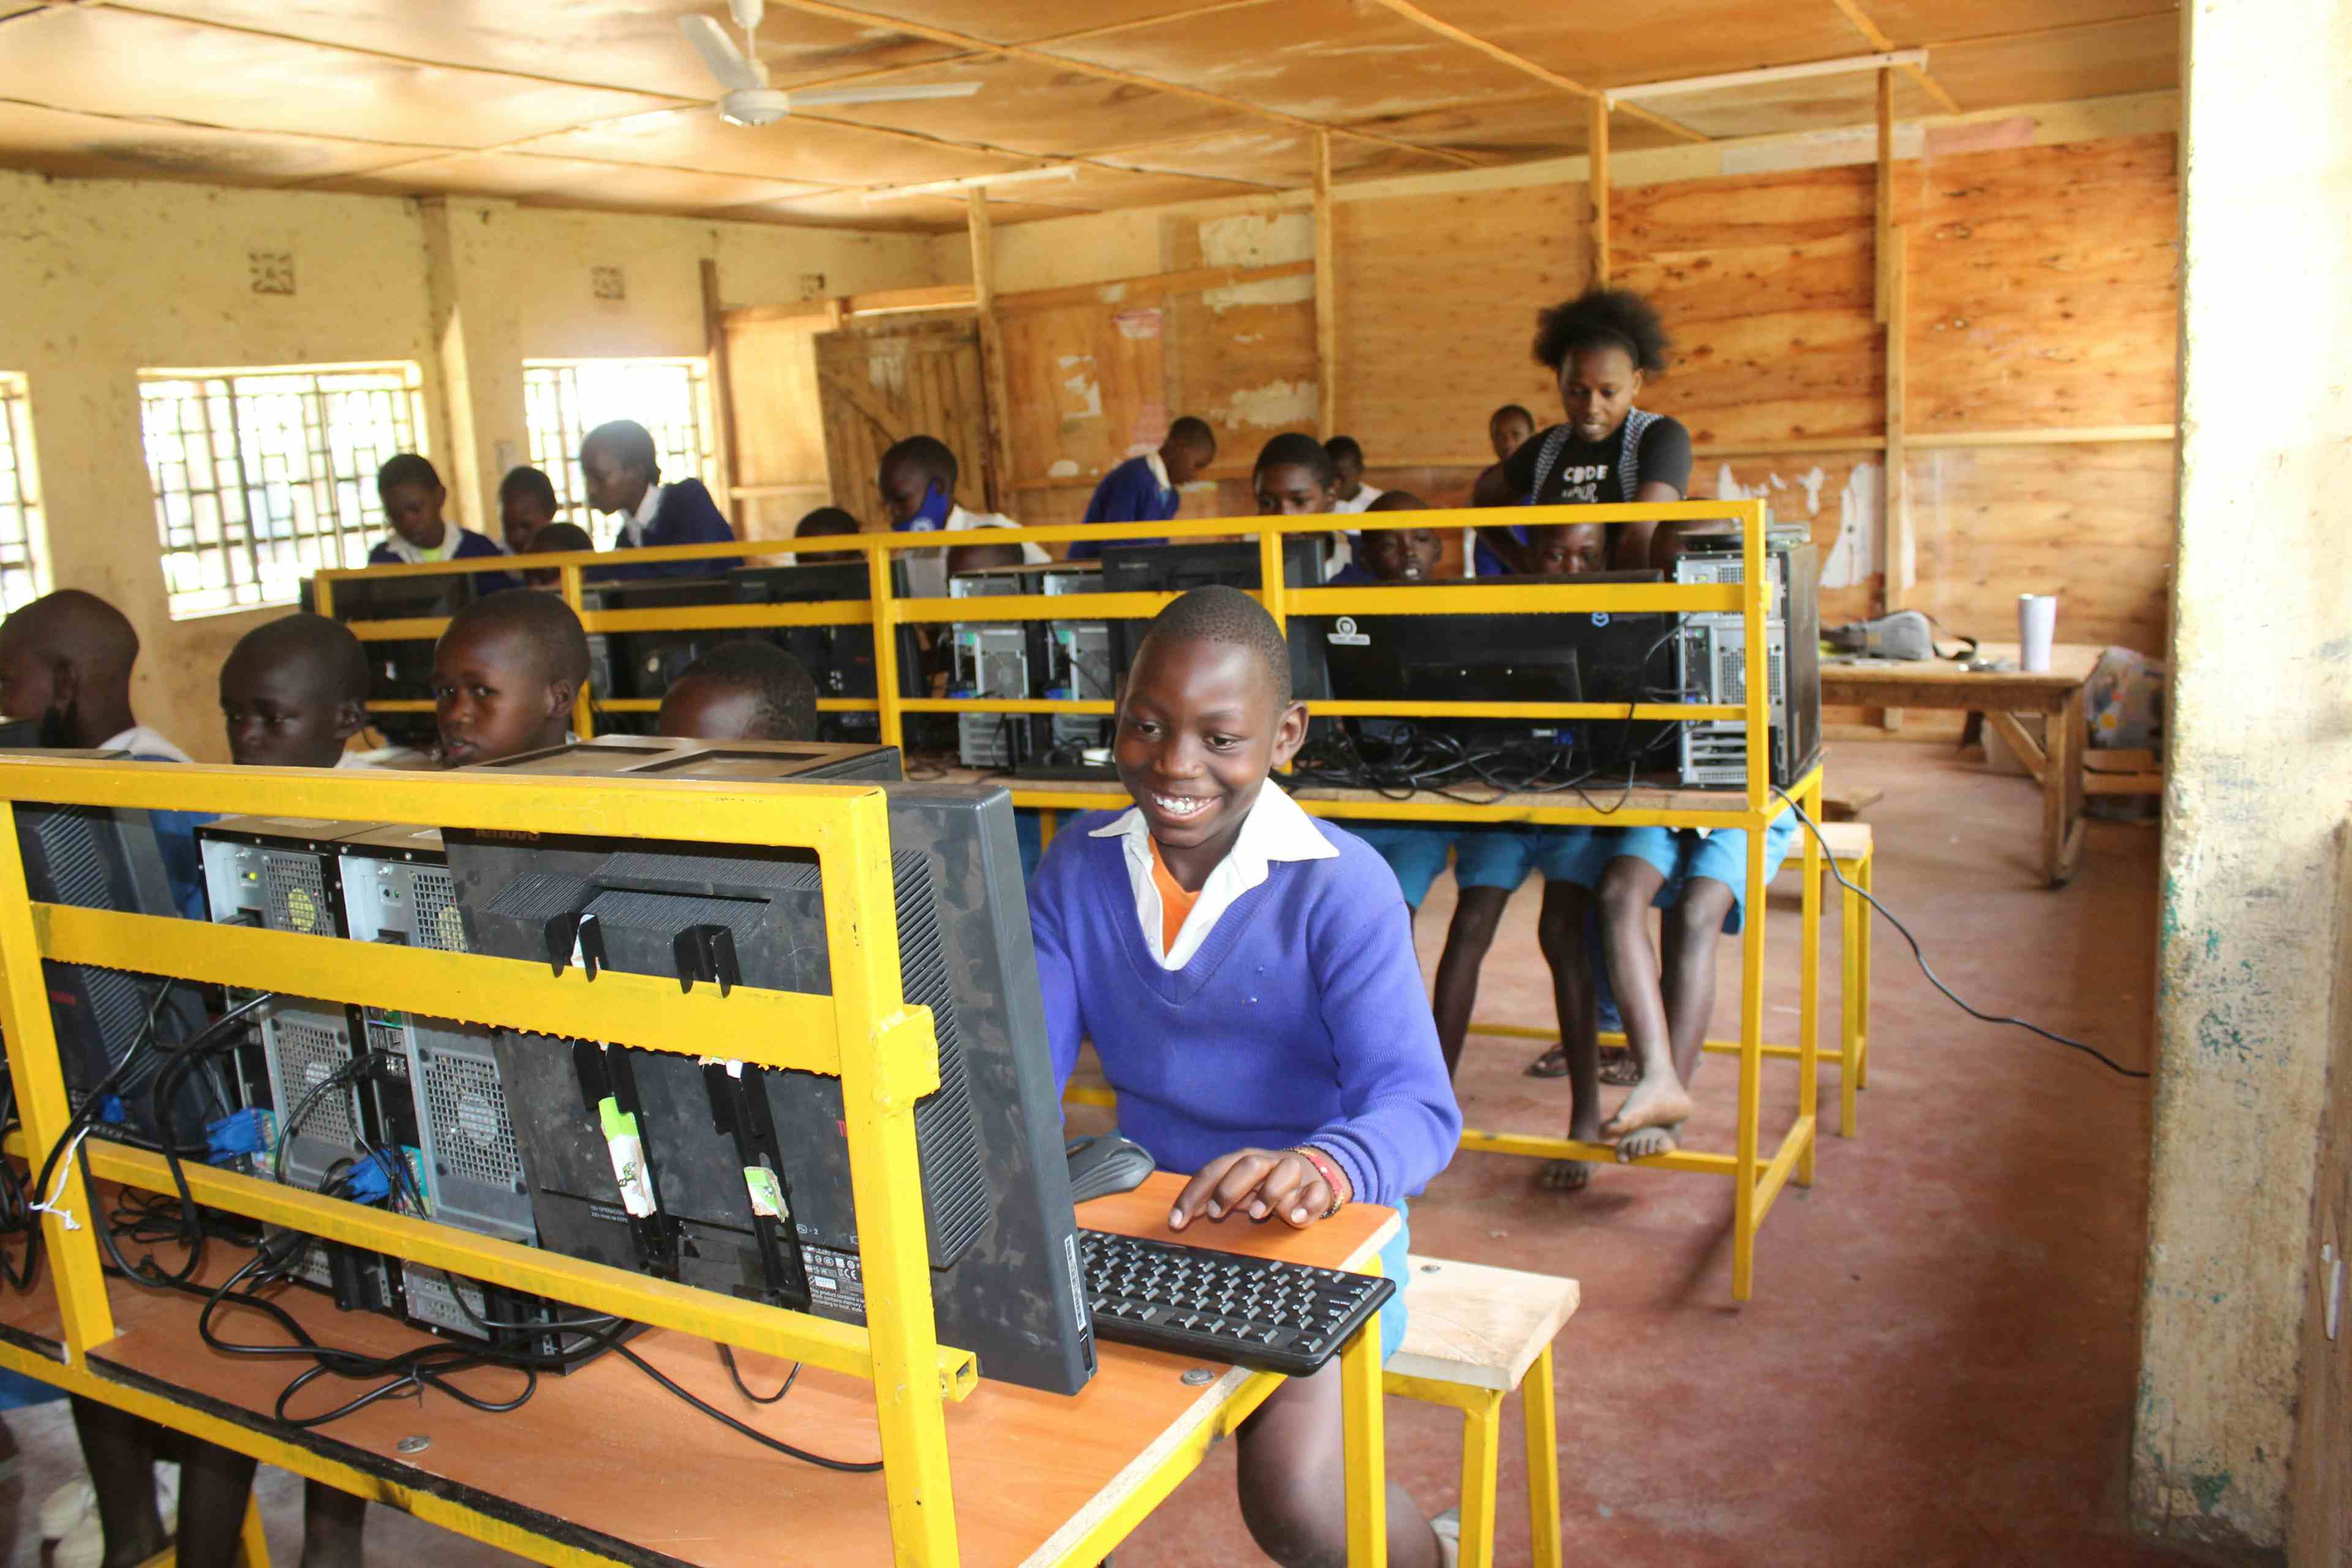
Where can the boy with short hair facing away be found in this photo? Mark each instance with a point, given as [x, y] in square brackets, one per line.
[825, 522]
[556, 539]
[621, 470]
[412, 496]
[526, 505]
[1247, 977]
[740, 691]
[505, 674]
[1146, 489]
[293, 693]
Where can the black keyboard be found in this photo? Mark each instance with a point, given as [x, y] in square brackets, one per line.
[1222, 1306]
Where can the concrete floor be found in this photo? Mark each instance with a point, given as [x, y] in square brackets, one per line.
[1938, 1365]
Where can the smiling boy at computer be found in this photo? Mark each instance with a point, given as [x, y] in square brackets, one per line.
[1247, 977]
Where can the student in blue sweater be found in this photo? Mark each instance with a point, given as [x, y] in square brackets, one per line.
[621, 471]
[412, 496]
[1247, 977]
[1145, 489]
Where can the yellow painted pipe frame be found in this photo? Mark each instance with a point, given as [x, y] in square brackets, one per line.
[883, 1050]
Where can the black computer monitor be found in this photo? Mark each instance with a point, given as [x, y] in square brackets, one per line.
[643, 665]
[402, 671]
[103, 858]
[1180, 568]
[841, 658]
[1006, 1276]
[1563, 656]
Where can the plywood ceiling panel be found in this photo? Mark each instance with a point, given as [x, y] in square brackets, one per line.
[1275, 157]
[90, 147]
[1810, 103]
[119, 62]
[1039, 109]
[2097, 61]
[927, 214]
[1910, 22]
[1323, 59]
[613, 43]
[1031, 20]
[801, 148]
[1609, 46]
[567, 182]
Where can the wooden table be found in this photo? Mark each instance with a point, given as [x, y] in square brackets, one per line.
[604, 1467]
[2057, 763]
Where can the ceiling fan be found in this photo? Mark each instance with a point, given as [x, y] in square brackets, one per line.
[748, 100]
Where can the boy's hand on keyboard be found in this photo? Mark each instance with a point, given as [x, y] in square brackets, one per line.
[1258, 1183]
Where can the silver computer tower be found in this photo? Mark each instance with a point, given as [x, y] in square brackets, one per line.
[1711, 663]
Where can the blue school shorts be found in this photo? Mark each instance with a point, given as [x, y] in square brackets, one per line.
[1415, 854]
[1679, 854]
[1507, 856]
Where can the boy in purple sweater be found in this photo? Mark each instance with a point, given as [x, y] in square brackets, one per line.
[1246, 975]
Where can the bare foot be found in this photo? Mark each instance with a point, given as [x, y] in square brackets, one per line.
[1564, 1175]
[1619, 1067]
[1649, 1141]
[1655, 1102]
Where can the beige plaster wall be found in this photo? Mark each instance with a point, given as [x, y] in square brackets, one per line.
[2259, 765]
[103, 278]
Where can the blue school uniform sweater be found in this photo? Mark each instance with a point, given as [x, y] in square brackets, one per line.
[1130, 493]
[470, 546]
[685, 515]
[1300, 1020]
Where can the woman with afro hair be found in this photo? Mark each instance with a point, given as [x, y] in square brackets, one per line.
[1601, 346]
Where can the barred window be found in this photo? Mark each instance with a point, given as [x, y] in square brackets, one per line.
[564, 399]
[264, 475]
[24, 540]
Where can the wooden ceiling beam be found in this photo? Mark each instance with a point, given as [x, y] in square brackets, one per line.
[1081, 35]
[1495, 52]
[1853, 11]
[1109, 73]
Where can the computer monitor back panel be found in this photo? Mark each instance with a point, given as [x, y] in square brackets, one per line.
[658, 756]
[1179, 568]
[1012, 1295]
[98, 857]
[397, 888]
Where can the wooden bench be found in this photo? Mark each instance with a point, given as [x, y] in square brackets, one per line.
[1472, 1335]
[1851, 848]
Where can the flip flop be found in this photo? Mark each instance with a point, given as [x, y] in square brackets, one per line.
[1553, 1063]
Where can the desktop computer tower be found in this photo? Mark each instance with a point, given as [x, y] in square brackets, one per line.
[397, 888]
[995, 658]
[1711, 659]
[740, 1178]
[1080, 664]
[285, 874]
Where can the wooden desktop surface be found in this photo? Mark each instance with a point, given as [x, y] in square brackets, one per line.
[605, 1460]
[1944, 683]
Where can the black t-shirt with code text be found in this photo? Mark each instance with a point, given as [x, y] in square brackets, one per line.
[1586, 472]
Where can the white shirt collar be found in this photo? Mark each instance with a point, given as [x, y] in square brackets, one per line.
[1159, 468]
[1277, 828]
[445, 551]
[143, 742]
[641, 519]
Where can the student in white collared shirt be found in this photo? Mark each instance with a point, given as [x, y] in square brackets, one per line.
[918, 481]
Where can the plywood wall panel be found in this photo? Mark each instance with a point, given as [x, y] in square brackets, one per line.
[2043, 286]
[1437, 300]
[1765, 283]
[2093, 524]
[1841, 496]
[1087, 386]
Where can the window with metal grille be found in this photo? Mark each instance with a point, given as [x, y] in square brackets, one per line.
[23, 543]
[563, 399]
[264, 475]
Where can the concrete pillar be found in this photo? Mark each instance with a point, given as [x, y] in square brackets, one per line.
[473, 274]
[2259, 770]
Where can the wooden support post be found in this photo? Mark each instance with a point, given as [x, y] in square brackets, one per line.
[722, 392]
[1326, 298]
[1886, 188]
[999, 489]
[1897, 556]
[1597, 183]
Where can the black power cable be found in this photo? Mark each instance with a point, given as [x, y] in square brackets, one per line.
[1933, 978]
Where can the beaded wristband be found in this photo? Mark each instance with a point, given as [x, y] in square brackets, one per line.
[1330, 1171]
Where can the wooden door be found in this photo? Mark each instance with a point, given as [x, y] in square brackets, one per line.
[882, 383]
[778, 429]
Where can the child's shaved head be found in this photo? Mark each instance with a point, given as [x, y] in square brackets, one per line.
[1227, 615]
[505, 674]
[293, 692]
[741, 691]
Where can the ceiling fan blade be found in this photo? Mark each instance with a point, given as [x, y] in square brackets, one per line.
[726, 62]
[883, 94]
[747, 13]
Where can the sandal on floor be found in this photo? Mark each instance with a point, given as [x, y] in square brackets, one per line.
[1553, 1063]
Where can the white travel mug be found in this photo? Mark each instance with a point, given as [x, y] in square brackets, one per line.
[2037, 629]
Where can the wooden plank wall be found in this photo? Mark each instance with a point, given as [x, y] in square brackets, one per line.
[897, 377]
[779, 425]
